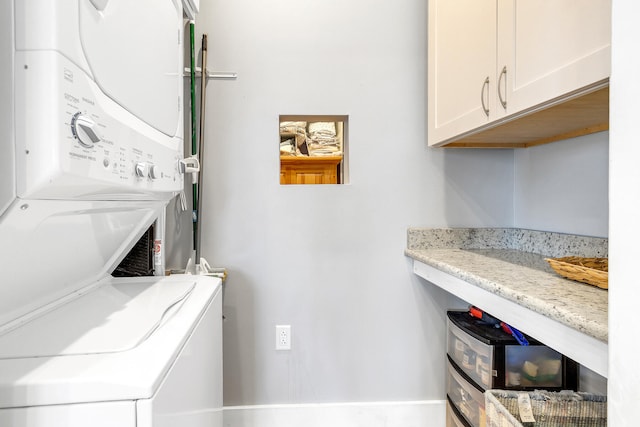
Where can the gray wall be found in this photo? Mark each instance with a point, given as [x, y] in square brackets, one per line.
[328, 260]
[563, 186]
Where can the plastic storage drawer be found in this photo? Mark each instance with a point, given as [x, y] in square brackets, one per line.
[494, 359]
[454, 418]
[465, 396]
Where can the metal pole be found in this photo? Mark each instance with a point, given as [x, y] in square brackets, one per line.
[203, 98]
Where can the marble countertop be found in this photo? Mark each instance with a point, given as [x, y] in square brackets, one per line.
[510, 263]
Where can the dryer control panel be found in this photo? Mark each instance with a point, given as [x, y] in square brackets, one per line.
[77, 142]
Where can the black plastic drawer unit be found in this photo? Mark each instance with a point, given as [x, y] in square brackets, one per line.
[494, 359]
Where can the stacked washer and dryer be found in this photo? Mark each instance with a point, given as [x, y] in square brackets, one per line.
[91, 143]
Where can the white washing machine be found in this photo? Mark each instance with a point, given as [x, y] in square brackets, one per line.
[91, 140]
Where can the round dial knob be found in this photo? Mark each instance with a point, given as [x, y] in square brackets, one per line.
[84, 130]
[140, 169]
[153, 172]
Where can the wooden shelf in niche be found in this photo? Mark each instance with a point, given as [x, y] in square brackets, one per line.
[309, 170]
[581, 115]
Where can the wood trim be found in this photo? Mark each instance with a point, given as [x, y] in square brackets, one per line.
[578, 116]
[306, 160]
[573, 134]
[313, 118]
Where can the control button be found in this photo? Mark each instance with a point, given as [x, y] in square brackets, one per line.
[153, 172]
[84, 130]
[141, 169]
[105, 162]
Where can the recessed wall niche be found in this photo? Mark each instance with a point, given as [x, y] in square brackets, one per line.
[313, 149]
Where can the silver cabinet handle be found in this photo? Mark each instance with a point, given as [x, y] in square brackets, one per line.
[503, 73]
[484, 106]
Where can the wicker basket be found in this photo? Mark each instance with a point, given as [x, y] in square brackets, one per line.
[550, 409]
[594, 271]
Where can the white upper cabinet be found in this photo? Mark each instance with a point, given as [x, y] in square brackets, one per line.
[493, 62]
[462, 66]
[552, 47]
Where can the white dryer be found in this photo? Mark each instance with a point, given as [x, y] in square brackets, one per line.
[91, 140]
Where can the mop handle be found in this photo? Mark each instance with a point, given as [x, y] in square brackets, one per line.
[194, 186]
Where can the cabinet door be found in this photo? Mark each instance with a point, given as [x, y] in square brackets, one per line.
[462, 56]
[309, 172]
[551, 48]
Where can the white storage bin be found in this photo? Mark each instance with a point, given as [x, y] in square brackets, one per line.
[452, 418]
[468, 399]
[472, 356]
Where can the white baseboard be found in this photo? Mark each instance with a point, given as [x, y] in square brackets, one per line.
[377, 414]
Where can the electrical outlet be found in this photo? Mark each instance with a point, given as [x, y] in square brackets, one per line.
[283, 337]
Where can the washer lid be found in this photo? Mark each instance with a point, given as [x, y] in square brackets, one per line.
[112, 318]
[53, 249]
[101, 377]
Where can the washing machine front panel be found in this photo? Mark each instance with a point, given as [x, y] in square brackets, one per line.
[74, 142]
[106, 414]
[191, 393]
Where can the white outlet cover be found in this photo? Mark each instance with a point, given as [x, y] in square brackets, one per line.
[283, 337]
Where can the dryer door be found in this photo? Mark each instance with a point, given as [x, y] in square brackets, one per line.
[134, 51]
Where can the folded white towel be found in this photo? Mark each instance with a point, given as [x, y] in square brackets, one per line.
[323, 128]
[299, 128]
[326, 140]
[286, 147]
[294, 124]
[324, 154]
